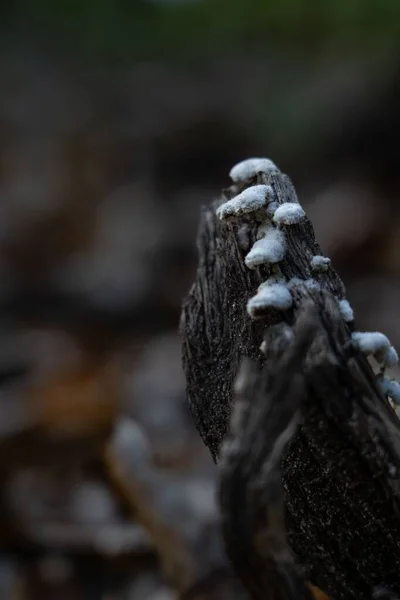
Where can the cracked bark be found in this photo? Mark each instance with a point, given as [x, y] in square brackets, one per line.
[308, 448]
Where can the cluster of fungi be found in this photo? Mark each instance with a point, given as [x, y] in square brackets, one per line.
[295, 405]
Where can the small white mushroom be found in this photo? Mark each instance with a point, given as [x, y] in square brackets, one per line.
[273, 296]
[391, 388]
[320, 263]
[371, 342]
[269, 249]
[377, 344]
[346, 311]
[289, 213]
[388, 357]
[246, 169]
[251, 199]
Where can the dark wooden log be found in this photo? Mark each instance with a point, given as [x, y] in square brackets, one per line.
[310, 469]
[216, 327]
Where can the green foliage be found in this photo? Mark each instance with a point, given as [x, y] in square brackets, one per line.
[138, 29]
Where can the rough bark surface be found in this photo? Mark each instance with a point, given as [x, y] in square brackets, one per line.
[217, 329]
[310, 468]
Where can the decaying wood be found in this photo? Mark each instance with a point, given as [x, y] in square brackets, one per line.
[309, 448]
[217, 330]
[267, 412]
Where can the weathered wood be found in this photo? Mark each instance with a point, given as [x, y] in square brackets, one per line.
[217, 329]
[340, 469]
[266, 414]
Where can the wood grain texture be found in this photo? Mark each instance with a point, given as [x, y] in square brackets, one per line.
[309, 449]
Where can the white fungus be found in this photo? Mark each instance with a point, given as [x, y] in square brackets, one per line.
[376, 343]
[273, 296]
[251, 199]
[270, 249]
[289, 213]
[320, 263]
[388, 357]
[371, 342]
[246, 169]
[346, 311]
[391, 388]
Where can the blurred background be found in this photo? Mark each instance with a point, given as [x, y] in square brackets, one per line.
[118, 120]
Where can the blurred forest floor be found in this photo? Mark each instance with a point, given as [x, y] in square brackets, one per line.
[104, 165]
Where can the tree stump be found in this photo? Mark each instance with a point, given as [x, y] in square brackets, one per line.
[284, 396]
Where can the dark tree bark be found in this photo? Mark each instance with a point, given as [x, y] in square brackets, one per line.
[309, 448]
